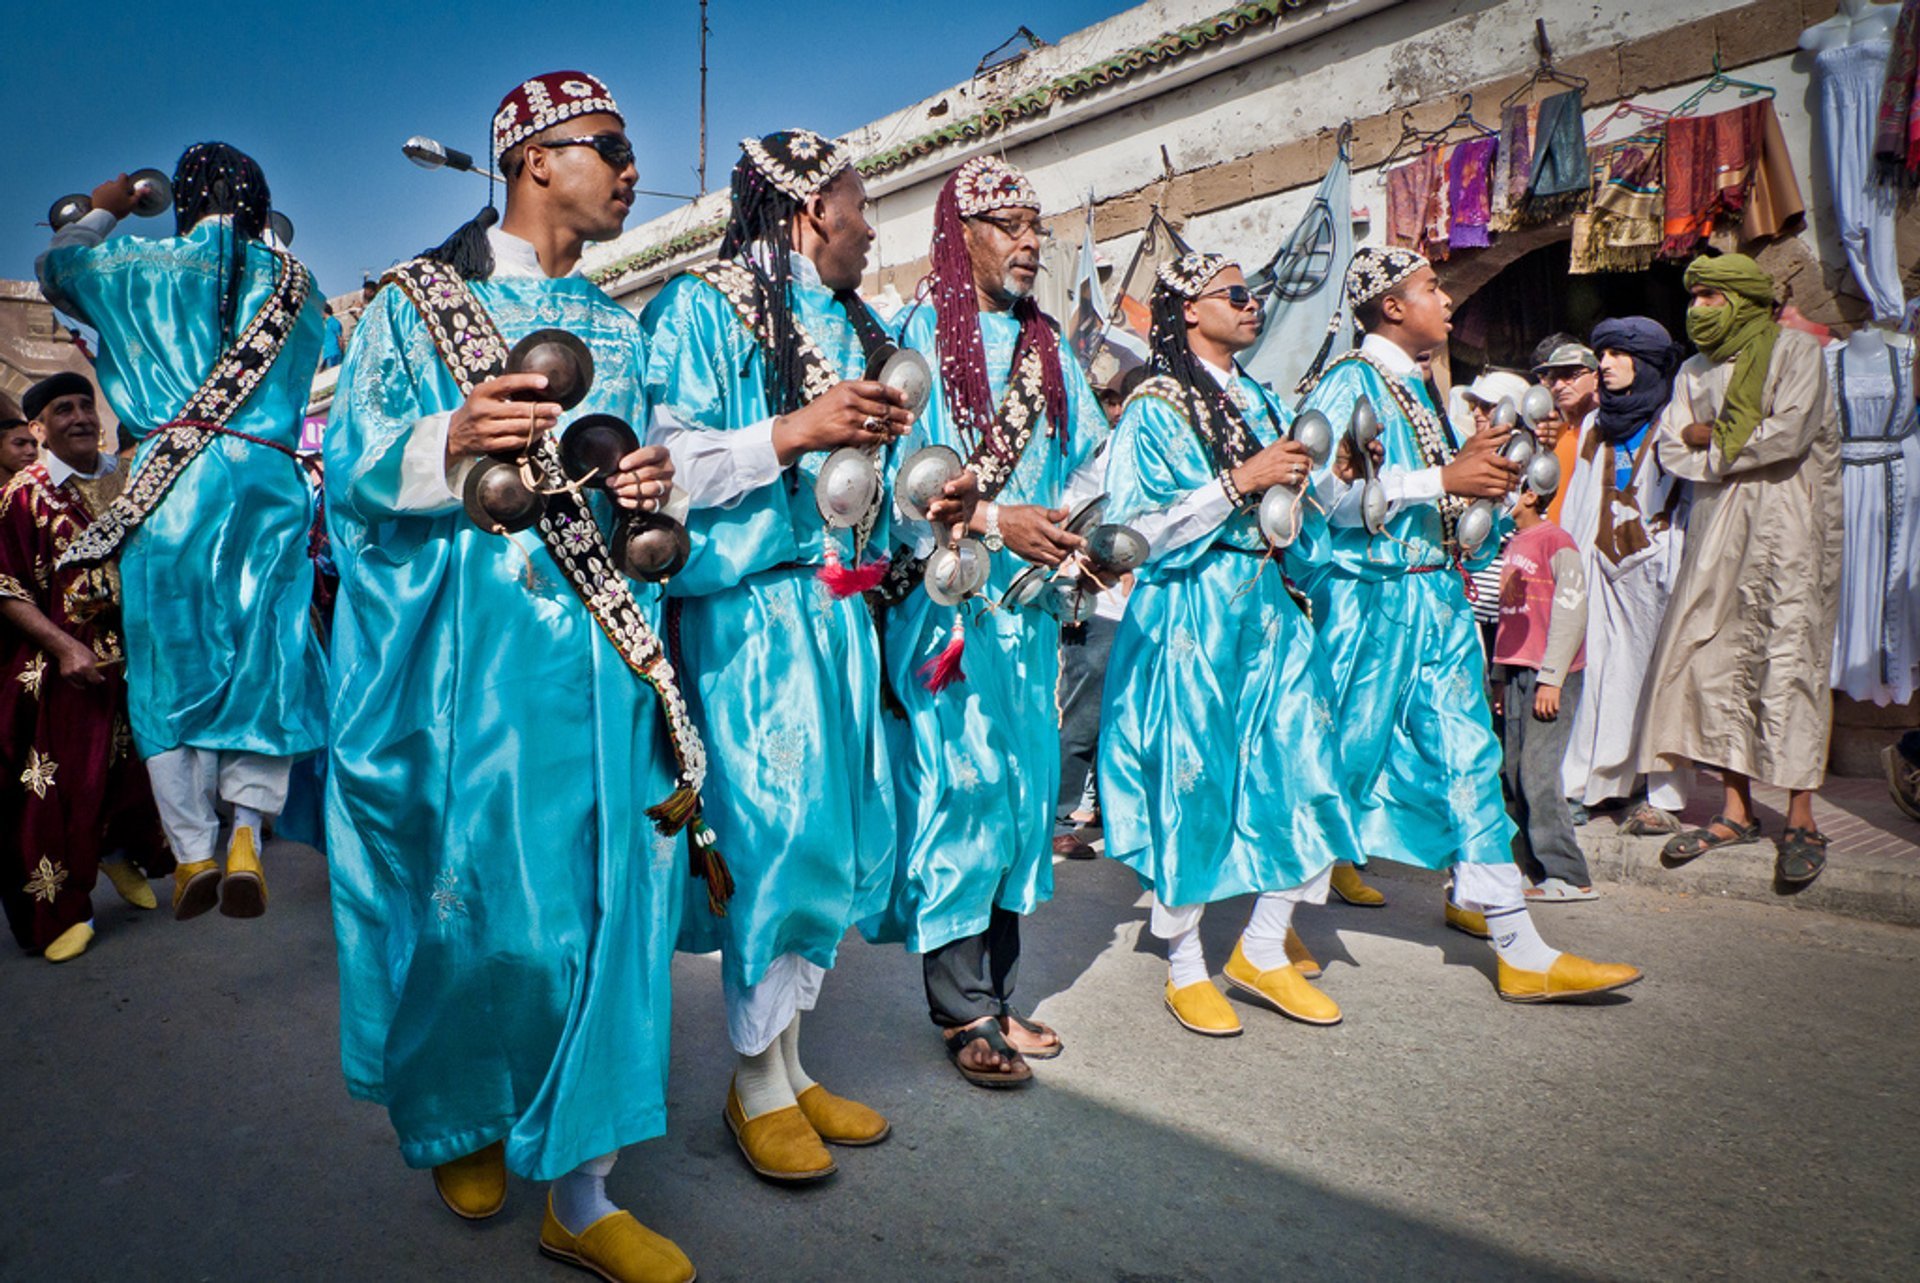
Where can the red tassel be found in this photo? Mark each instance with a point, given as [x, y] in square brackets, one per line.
[943, 670]
[842, 581]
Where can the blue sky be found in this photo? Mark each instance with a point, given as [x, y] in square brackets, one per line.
[323, 95]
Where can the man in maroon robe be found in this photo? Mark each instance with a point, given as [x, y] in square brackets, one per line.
[74, 798]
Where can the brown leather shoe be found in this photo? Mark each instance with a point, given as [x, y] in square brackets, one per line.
[1070, 846]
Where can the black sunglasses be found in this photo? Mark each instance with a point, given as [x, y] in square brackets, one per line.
[613, 148]
[1236, 295]
[1015, 229]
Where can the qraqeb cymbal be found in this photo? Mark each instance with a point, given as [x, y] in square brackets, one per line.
[562, 357]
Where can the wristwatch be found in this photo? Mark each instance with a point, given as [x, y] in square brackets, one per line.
[991, 538]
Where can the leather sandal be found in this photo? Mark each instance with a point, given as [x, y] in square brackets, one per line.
[1803, 854]
[987, 1030]
[1693, 843]
[1038, 1030]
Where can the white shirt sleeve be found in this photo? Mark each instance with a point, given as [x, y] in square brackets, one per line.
[427, 483]
[1403, 486]
[716, 468]
[1087, 480]
[1194, 515]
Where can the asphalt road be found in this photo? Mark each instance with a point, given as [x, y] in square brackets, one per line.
[1751, 1110]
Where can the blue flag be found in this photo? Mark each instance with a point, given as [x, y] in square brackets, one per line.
[1300, 288]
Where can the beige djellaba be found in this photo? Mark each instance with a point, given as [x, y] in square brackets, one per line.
[1739, 676]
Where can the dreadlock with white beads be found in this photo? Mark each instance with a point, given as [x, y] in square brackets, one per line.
[214, 180]
[1178, 283]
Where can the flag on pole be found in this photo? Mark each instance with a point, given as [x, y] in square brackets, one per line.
[1300, 287]
[1089, 315]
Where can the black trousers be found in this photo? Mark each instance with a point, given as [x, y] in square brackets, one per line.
[973, 976]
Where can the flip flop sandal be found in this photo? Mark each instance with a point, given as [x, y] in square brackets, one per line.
[1690, 844]
[1039, 1030]
[1648, 821]
[986, 1030]
[1558, 891]
[1803, 854]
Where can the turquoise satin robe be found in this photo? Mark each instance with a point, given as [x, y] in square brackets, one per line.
[976, 766]
[1416, 740]
[505, 911]
[216, 583]
[1218, 768]
[784, 678]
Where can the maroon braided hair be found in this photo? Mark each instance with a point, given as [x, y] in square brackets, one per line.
[963, 356]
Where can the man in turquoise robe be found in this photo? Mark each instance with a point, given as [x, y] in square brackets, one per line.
[225, 676]
[505, 909]
[1219, 768]
[774, 639]
[977, 764]
[1416, 742]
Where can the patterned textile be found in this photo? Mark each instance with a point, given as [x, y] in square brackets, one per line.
[797, 161]
[1896, 140]
[1513, 165]
[1621, 232]
[1374, 271]
[1188, 275]
[1470, 193]
[543, 102]
[1416, 204]
[1559, 173]
[987, 183]
[1709, 168]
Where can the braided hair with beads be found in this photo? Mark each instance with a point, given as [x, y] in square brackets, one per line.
[1170, 353]
[213, 180]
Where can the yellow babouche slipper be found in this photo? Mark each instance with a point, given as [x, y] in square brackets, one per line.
[1472, 923]
[1300, 956]
[69, 944]
[839, 1121]
[781, 1145]
[1347, 885]
[1203, 1009]
[130, 883]
[1570, 976]
[196, 888]
[244, 892]
[474, 1187]
[1283, 987]
[617, 1248]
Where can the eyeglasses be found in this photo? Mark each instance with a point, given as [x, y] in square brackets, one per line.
[1563, 373]
[1236, 295]
[1015, 229]
[615, 149]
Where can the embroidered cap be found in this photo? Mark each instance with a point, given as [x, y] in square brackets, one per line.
[797, 161]
[545, 101]
[987, 183]
[1188, 275]
[1374, 271]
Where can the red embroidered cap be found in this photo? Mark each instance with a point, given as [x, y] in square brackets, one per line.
[544, 102]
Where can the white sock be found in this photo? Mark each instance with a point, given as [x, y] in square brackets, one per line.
[761, 1082]
[1518, 941]
[1264, 942]
[580, 1197]
[1186, 960]
[245, 817]
[789, 1044]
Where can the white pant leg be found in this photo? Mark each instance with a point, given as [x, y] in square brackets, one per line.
[183, 782]
[1166, 922]
[255, 781]
[1668, 789]
[1180, 928]
[758, 1013]
[1484, 888]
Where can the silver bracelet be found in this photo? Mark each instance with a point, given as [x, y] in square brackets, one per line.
[991, 538]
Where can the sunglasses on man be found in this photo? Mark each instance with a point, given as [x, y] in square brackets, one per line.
[615, 149]
[1238, 296]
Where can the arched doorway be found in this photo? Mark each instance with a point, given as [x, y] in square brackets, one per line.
[1534, 296]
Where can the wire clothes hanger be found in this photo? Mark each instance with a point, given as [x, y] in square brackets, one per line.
[1544, 72]
[1412, 134]
[1720, 83]
[1648, 116]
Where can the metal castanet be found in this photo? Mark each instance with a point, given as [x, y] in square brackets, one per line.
[650, 546]
[923, 477]
[1363, 429]
[152, 194]
[956, 571]
[847, 489]
[592, 446]
[905, 371]
[1114, 549]
[562, 357]
[498, 499]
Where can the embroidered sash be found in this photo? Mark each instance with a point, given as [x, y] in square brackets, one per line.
[998, 451]
[235, 375]
[470, 344]
[1429, 434]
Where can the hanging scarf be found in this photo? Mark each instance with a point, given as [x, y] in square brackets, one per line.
[1416, 204]
[1513, 165]
[1559, 176]
[1742, 330]
[1622, 231]
[1655, 358]
[1710, 165]
[1896, 137]
[1470, 193]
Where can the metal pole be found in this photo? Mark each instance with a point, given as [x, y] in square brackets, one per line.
[703, 97]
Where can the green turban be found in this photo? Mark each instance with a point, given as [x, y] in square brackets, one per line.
[1742, 330]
